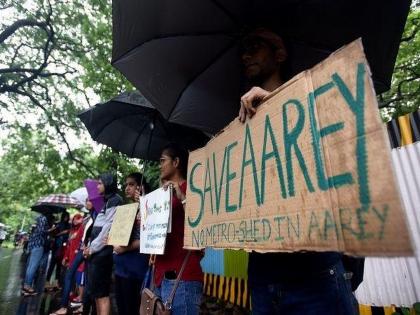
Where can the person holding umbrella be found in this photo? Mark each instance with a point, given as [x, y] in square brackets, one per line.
[99, 254]
[287, 283]
[36, 244]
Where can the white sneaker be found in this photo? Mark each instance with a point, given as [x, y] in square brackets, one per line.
[75, 304]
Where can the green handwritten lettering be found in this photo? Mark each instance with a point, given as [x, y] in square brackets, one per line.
[357, 106]
[229, 177]
[324, 183]
[290, 141]
[268, 130]
[194, 189]
[249, 162]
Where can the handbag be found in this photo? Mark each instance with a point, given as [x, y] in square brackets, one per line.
[152, 304]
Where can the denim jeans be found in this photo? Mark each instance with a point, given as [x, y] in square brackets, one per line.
[70, 278]
[54, 262]
[187, 298]
[326, 293]
[35, 257]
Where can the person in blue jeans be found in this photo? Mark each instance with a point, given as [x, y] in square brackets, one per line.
[173, 173]
[287, 283]
[73, 258]
[36, 244]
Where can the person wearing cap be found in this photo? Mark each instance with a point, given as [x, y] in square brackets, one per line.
[287, 283]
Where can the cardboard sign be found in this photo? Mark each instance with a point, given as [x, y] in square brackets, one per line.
[310, 171]
[121, 228]
[155, 211]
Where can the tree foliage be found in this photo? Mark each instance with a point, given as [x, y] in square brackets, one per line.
[55, 62]
[404, 95]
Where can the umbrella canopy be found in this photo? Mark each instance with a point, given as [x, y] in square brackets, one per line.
[47, 208]
[183, 55]
[60, 200]
[131, 125]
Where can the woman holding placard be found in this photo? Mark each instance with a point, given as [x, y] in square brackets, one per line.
[187, 298]
[129, 265]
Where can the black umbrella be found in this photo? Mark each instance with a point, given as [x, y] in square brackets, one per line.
[47, 208]
[183, 55]
[130, 124]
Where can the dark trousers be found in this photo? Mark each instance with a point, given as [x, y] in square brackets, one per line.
[89, 307]
[127, 294]
[327, 293]
[55, 262]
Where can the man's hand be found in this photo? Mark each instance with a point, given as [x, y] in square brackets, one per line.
[64, 262]
[253, 97]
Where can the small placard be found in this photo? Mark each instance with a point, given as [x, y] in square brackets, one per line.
[155, 210]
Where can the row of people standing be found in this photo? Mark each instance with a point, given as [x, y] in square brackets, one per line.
[129, 265]
[125, 262]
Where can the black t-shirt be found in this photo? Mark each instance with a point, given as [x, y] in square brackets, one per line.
[271, 268]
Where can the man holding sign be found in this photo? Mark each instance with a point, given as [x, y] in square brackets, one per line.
[287, 283]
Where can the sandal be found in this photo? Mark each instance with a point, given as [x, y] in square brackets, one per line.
[78, 310]
[27, 291]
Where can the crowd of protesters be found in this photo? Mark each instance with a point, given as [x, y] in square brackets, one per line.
[280, 283]
[86, 267]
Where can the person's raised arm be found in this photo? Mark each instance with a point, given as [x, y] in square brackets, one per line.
[249, 101]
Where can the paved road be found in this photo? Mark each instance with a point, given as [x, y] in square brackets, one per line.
[11, 301]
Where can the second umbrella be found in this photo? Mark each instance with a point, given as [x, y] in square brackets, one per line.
[130, 124]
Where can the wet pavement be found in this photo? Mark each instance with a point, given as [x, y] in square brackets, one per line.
[11, 302]
[12, 265]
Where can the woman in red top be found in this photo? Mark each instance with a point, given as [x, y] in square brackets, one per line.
[70, 255]
[75, 237]
[173, 171]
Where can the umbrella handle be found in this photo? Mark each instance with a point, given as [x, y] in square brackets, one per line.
[152, 128]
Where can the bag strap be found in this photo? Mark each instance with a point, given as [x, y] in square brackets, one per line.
[152, 260]
[168, 303]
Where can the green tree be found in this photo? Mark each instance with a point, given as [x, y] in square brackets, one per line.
[32, 167]
[404, 95]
